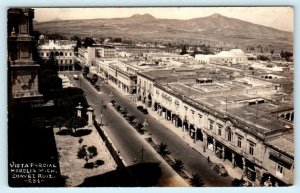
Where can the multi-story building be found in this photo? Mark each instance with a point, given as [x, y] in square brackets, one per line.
[63, 53]
[232, 118]
[87, 56]
[122, 76]
[234, 56]
[22, 69]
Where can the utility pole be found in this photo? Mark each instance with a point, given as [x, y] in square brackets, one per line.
[101, 115]
[142, 150]
[256, 111]
[226, 104]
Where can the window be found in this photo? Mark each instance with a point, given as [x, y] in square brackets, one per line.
[239, 142]
[71, 62]
[279, 170]
[251, 148]
[219, 131]
[70, 54]
[229, 134]
[211, 125]
[200, 118]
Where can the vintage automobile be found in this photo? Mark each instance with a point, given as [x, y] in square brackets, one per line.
[219, 168]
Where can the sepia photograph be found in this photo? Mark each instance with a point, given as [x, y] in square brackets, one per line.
[150, 96]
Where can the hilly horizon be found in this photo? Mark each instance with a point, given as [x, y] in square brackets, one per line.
[214, 28]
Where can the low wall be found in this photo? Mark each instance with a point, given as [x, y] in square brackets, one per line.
[111, 148]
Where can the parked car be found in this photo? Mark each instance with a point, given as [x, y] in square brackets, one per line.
[138, 125]
[220, 169]
[237, 182]
[140, 107]
[145, 111]
[75, 76]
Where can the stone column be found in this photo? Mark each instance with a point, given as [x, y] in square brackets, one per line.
[233, 160]
[244, 165]
[152, 105]
[214, 142]
[204, 141]
[195, 135]
[79, 109]
[187, 128]
[90, 113]
[223, 153]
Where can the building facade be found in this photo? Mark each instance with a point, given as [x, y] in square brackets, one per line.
[88, 56]
[64, 54]
[250, 145]
[234, 56]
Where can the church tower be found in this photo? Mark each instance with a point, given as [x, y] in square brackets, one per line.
[22, 69]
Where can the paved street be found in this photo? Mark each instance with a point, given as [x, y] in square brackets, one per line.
[125, 138]
[193, 161]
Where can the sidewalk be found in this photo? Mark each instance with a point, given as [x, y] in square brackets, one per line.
[198, 146]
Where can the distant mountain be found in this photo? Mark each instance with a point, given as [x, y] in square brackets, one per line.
[215, 28]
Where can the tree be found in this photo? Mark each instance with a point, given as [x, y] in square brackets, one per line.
[118, 40]
[286, 55]
[88, 42]
[178, 165]
[131, 118]
[196, 181]
[263, 58]
[87, 153]
[183, 50]
[56, 36]
[86, 71]
[58, 122]
[51, 63]
[94, 79]
[75, 123]
[78, 42]
[163, 148]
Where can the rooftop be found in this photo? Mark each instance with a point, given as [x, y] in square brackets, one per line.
[284, 143]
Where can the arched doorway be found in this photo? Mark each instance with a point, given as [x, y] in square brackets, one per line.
[149, 100]
[199, 135]
[179, 122]
[185, 125]
[155, 106]
[192, 131]
[287, 117]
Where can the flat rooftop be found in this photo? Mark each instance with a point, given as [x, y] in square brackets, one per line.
[284, 143]
[255, 115]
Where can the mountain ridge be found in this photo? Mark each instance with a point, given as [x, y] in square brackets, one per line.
[215, 27]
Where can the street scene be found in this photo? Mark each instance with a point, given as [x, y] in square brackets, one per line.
[135, 97]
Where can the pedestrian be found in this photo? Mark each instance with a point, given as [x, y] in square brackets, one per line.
[208, 159]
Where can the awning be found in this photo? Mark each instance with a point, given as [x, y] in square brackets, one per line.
[282, 160]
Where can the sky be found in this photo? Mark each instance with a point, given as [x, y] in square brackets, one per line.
[277, 17]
